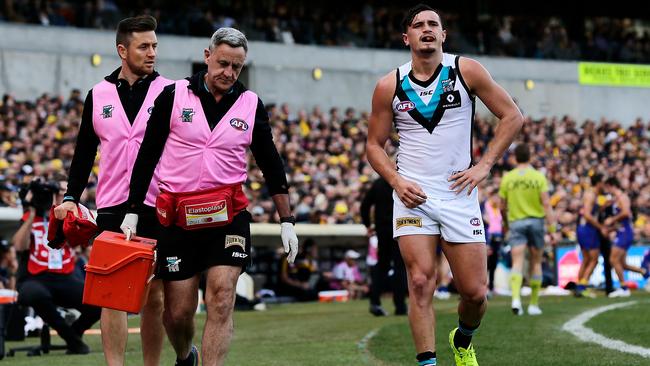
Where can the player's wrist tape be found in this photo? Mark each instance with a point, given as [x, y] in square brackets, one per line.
[68, 199]
[290, 219]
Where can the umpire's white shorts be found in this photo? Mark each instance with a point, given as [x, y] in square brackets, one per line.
[457, 220]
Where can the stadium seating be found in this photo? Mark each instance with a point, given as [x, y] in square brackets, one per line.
[513, 32]
[325, 158]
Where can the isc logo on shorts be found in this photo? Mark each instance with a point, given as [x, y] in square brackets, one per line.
[408, 221]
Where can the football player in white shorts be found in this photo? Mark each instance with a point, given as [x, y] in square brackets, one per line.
[431, 102]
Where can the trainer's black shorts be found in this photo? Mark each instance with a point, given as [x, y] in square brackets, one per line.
[110, 219]
[184, 253]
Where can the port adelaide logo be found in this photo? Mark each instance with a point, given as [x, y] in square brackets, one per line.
[107, 111]
[187, 114]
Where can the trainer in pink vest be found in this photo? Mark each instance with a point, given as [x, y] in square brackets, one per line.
[197, 158]
[120, 142]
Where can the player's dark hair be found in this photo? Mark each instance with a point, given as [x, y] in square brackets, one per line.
[522, 153]
[596, 178]
[612, 181]
[141, 23]
[412, 12]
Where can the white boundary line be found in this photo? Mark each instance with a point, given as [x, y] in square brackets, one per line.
[576, 327]
[363, 345]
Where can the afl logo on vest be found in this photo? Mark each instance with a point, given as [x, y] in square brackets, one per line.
[239, 124]
[405, 106]
[475, 221]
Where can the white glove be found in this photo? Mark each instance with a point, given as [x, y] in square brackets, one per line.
[129, 225]
[289, 240]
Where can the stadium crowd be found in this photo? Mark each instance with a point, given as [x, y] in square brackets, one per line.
[325, 158]
[363, 25]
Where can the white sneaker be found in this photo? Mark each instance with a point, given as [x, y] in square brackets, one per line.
[534, 310]
[441, 295]
[517, 309]
[619, 292]
[260, 306]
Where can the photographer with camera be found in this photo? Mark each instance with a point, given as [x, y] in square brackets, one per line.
[46, 277]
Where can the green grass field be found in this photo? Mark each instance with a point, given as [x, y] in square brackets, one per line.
[346, 334]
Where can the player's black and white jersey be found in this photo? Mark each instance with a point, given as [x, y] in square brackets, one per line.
[434, 122]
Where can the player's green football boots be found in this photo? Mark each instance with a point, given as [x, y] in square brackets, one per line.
[463, 357]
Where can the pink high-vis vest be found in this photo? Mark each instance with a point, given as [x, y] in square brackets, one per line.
[120, 141]
[197, 158]
[494, 216]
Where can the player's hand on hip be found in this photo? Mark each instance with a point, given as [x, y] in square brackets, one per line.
[469, 178]
[410, 193]
[129, 225]
[289, 240]
[61, 211]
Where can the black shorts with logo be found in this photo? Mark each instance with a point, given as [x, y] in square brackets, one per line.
[110, 219]
[184, 253]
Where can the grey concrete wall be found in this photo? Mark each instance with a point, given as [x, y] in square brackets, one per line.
[35, 59]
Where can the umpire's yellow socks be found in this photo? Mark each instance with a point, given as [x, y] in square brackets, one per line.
[535, 286]
[515, 285]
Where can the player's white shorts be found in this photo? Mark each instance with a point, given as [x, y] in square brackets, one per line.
[457, 220]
